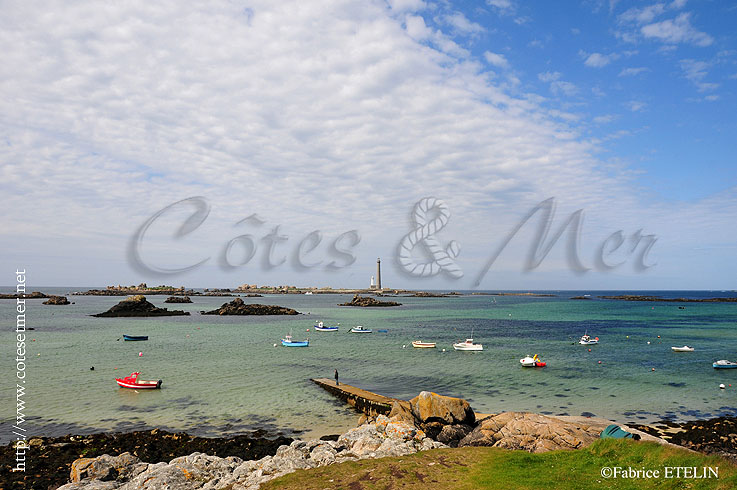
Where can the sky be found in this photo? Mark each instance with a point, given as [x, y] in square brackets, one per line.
[491, 145]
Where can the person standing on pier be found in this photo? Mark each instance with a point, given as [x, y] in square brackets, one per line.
[336, 378]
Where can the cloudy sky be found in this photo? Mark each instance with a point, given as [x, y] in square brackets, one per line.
[288, 142]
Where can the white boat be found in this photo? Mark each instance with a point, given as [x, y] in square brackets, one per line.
[361, 329]
[587, 340]
[725, 364]
[308, 292]
[423, 345]
[468, 345]
[533, 361]
[320, 327]
[685, 348]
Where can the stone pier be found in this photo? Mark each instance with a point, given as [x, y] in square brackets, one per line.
[362, 400]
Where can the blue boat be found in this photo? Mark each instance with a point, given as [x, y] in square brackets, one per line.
[320, 327]
[135, 337]
[288, 342]
[724, 364]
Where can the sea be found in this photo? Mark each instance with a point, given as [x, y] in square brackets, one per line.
[228, 375]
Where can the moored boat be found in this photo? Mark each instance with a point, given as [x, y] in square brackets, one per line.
[134, 383]
[288, 342]
[135, 337]
[724, 364]
[533, 361]
[361, 329]
[320, 327]
[423, 345]
[468, 345]
[587, 340]
[685, 348]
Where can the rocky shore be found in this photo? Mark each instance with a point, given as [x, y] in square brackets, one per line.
[57, 300]
[238, 307]
[137, 306]
[714, 436]
[33, 295]
[635, 297]
[364, 301]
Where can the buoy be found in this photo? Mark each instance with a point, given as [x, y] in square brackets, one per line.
[648, 342]
[599, 362]
[658, 336]
[589, 350]
[274, 345]
[404, 346]
[721, 386]
[140, 354]
[628, 336]
[653, 369]
[307, 330]
[92, 368]
[444, 351]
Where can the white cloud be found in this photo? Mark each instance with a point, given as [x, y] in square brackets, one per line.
[496, 59]
[501, 4]
[461, 24]
[416, 28]
[632, 71]
[605, 119]
[548, 76]
[407, 5]
[636, 106]
[642, 15]
[598, 60]
[696, 71]
[675, 31]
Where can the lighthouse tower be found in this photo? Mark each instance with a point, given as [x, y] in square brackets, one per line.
[378, 273]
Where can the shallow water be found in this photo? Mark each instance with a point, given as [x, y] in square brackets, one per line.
[223, 375]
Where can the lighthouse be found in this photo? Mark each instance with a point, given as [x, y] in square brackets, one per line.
[378, 273]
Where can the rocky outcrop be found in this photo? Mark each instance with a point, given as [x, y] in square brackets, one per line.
[432, 412]
[178, 299]
[57, 300]
[531, 432]
[200, 471]
[238, 307]
[359, 300]
[137, 306]
[33, 295]
[635, 297]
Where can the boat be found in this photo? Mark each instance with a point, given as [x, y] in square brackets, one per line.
[308, 293]
[135, 337]
[288, 342]
[423, 345]
[361, 329]
[725, 364]
[533, 361]
[320, 327]
[383, 330]
[134, 383]
[468, 345]
[685, 348]
[587, 340]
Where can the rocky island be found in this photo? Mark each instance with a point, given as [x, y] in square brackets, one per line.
[33, 295]
[636, 297]
[359, 300]
[57, 300]
[137, 306]
[178, 299]
[238, 307]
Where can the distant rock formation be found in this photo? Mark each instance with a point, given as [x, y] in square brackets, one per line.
[137, 306]
[635, 297]
[33, 295]
[178, 299]
[238, 307]
[359, 300]
[57, 300]
[581, 297]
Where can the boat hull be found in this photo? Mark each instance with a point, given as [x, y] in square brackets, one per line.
[326, 329]
[305, 343]
[728, 365]
[682, 349]
[463, 347]
[139, 385]
[353, 330]
[135, 338]
[423, 345]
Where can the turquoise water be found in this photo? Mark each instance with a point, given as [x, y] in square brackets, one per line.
[223, 375]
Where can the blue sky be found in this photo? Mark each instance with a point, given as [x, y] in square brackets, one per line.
[325, 121]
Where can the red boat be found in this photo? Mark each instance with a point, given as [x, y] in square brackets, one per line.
[133, 382]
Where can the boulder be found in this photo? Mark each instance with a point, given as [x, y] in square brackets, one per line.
[402, 412]
[430, 407]
[57, 300]
[238, 307]
[529, 431]
[106, 468]
[137, 306]
[178, 299]
[359, 300]
[453, 434]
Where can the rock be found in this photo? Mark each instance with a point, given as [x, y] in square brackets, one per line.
[137, 306]
[529, 431]
[238, 307]
[402, 411]
[106, 468]
[359, 300]
[33, 295]
[430, 407]
[178, 299]
[453, 434]
[57, 300]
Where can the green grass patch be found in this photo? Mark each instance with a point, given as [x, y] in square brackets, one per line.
[483, 467]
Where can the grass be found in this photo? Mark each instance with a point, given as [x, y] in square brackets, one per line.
[484, 467]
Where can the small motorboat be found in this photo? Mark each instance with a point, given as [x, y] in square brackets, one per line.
[468, 345]
[533, 361]
[361, 329]
[587, 340]
[322, 328]
[134, 383]
[724, 364]
[423, 345]
[135, 337]
[288, 342]
[685, 348]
